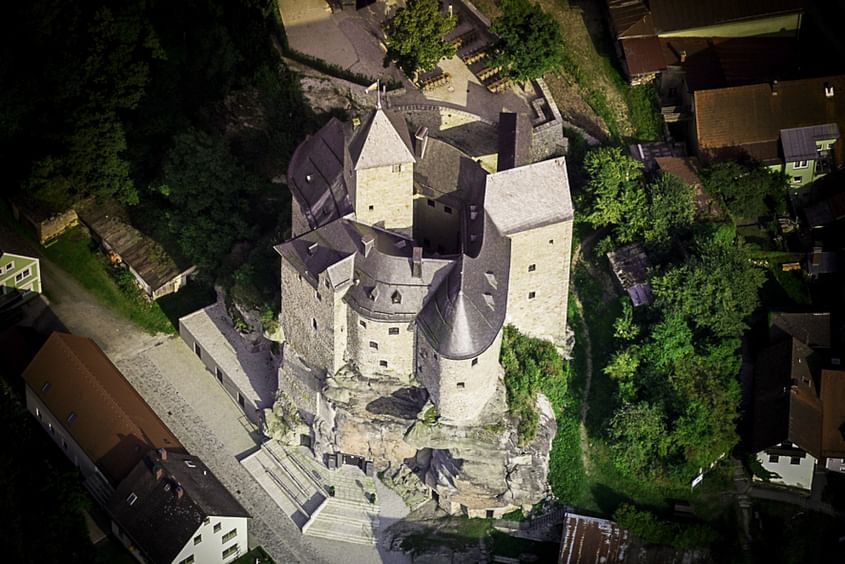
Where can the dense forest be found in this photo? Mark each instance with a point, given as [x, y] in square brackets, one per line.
[179, 111]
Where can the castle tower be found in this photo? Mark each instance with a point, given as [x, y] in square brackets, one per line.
[383, 160]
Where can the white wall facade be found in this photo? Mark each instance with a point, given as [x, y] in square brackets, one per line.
[211, 546]
[793, 475]
[384, 196]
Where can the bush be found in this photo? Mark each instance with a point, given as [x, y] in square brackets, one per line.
[650, 529]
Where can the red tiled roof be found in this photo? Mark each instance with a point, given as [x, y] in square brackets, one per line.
[113, 424]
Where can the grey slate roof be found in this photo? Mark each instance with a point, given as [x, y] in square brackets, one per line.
[529, 196]
[382, 139]
[799, 143]
[317, 177]
[159, 522]
[468, 309]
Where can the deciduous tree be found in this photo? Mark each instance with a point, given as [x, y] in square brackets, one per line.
[530, 43]
[414, 36]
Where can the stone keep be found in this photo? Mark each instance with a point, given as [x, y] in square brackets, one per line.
[407, 261]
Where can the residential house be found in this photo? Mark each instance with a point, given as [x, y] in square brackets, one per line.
[155, 271]
[820, 261]
[790, 126]
[20, 278]
[630, 265]
[172, 509]
[826, 212]
[788, 432]
[651, 36]
[91, 411]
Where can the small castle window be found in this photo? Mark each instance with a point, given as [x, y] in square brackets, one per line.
[447, 209]
[430, 203]
[371, 208]
[474, 361]
[461, 385]
[393, 331]
[382, 363]
[314, 323]
[396, 297]
[532, 295]
[363, 323]
[551, 241]
[397, 168]
[532, 267]
[374, 345]
[319, 297]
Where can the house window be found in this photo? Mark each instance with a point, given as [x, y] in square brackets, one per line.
[795, 460]
[532, 267]
[393, 331]
[801, 164]
[397, 168]
[21, 275]
[197, 539]
[461, 385]
[50, 427]
[773, 458]
[230, 551]
[132, 498]
[11, 265]
[430, 203]
[474, 361]
[447, 209]
[45, 387]
[38, 413]
[796, 180]
[532, 295]
[382, 363]
[362, 323]
[374, 345]
[188, 560]
[314, 323]
[217, 527]
[229, 536]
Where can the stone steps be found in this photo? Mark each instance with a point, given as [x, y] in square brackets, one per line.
[336, 536]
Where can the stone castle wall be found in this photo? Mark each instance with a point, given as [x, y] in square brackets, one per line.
[459, 389]
[299, 223]
[389, 194]
[540, 261]
[313, 320]
[394, 345]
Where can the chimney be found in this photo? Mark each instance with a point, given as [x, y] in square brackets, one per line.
[356, 121]
[159, 473]
[774, 88]
[162, 454]
[179, 492]
[368, 241]
[420, 142]
[828, 90]
[416, 263]
[683, 55]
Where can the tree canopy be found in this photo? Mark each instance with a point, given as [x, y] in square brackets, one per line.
[748, 190]
[617, 194]
[414, 36]
[530, 43]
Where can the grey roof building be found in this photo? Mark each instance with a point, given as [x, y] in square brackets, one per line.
[408, 259]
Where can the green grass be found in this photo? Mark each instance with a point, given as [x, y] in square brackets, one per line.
[644, 107]
[255, 556]
[455, 533]
[79, 256]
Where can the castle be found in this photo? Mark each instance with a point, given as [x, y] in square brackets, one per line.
[407, 260]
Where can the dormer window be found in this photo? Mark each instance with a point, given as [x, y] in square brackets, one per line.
[396, 297]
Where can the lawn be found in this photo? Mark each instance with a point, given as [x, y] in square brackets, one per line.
[79, 256]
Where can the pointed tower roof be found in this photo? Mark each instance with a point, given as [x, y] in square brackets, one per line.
[382, 140]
